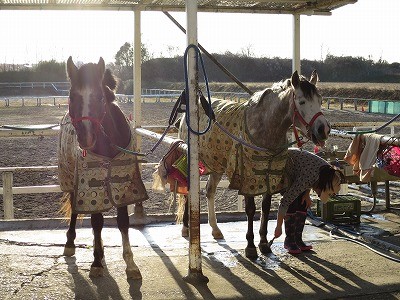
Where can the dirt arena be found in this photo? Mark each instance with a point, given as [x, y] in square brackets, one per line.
[18, 152]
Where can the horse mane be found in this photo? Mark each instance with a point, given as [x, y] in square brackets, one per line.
[276, 88]
[110, 84]
[307, 88]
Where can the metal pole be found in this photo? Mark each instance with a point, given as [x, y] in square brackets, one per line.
[137, 95]
[195, 273]
[296, 44]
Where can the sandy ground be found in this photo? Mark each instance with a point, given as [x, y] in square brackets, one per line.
[42, 152]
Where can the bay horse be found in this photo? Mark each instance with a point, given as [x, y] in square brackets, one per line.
[264, 121]
[94, 173]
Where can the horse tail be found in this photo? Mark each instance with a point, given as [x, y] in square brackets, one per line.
[66, 207]
[181, 201]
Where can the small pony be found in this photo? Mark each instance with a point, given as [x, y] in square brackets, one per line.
[94, 173]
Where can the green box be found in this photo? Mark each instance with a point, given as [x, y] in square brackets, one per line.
[343, 209]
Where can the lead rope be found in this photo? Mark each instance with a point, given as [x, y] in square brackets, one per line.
[174, 113]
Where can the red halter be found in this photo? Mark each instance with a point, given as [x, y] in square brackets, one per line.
[296, 113]
[95, 121]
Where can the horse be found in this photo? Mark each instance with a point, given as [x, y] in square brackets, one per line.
[255, 163]
[95, 173]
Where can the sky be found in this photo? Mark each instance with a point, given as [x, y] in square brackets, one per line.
[369, 29]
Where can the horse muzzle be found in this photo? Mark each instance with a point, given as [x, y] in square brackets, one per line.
[86, 135]
[319, 133]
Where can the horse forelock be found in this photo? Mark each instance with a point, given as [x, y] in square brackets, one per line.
[308, 89]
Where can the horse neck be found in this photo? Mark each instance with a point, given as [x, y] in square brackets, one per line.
[116, 131]
[269, 120]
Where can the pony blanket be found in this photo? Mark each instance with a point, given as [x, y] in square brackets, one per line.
[98, 182]
[249, 171]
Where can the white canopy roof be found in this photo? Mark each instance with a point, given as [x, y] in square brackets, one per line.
[323, 7]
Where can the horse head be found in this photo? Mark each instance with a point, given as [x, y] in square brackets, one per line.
[307, 115]
[91, 90]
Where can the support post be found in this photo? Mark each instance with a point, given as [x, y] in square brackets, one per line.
[296, 44]
[8, 196]
[137, 95]
[195, 274]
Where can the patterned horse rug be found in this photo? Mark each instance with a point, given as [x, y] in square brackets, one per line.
[98, 182]
[251, 172]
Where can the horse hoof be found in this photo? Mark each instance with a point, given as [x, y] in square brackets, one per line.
[217, 234]
[69, 251]
[251, 252]
[264, 248]
[185, 231]
[133, 274]
[96, 272]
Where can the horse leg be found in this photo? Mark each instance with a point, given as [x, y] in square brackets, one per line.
[132, 270]
[185, 220]
[211, 189]
[250, 208]
[69, 248]
[265, 209]
[97, 270]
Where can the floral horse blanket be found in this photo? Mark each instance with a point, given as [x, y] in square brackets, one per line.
[98, 182]
[251, 172]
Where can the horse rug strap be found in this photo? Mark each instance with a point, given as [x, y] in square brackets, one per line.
[102, 183]
[98, 182]
[249, 171]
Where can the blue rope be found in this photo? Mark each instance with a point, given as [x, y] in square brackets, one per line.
[375, 130]
[190, 129]
[198, 55]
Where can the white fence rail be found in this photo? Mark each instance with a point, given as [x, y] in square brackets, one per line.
[8, 190]
[156, 94]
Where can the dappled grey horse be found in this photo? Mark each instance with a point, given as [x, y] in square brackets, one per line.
[254, 163]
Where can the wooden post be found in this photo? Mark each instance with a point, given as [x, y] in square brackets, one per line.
[8, 195]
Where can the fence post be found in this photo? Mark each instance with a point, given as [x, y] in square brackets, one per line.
[8, 195]
[240, 206]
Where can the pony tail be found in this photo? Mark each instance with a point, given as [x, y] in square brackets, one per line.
[66, 208]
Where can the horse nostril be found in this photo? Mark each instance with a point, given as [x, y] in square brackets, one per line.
[322, 132]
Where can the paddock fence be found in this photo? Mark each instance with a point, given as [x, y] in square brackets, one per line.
[159, 95]
[152, 132]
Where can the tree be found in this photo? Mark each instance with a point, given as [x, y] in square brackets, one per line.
[124, 60]
[124, 56]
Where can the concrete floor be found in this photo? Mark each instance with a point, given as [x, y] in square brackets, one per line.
[32, 266]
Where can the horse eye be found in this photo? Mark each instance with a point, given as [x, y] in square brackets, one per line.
[302, 102]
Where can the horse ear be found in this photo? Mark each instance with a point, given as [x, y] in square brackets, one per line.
[72, 70]
[101, 65]
[295, 80]
[314, 77]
